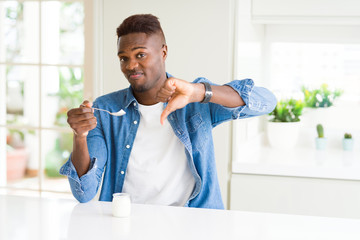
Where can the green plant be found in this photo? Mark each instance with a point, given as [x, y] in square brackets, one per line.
[14, 16]
[287, 111]
[70, 95]
[322, 97]
[58, 155]
[15, 137]
[320, 130]
[347, 136]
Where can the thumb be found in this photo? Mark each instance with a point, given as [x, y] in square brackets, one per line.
[86, 103]
[166, 113]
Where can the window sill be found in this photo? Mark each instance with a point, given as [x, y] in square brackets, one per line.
[299, 162]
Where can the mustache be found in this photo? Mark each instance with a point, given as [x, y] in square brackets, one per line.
[134, 72]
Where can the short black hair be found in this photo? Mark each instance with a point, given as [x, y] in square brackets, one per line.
[140, 23]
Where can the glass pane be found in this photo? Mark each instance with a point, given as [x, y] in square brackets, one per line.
[19, 31]
[63, 32]
[293, 65]
[3, 147]
[62, 90]
[22, 95]
[330, 73]
[56, 151]
[22, 158]
[2, 94]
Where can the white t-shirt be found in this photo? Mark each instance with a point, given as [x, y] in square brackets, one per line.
[157, 172]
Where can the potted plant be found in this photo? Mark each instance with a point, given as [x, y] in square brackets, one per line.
[320, 98]
[319, 104]
[283, 128]
[320, 141]
[16, 155]
[348, 142]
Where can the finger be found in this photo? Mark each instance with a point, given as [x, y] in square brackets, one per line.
[79, 118]
[166, 91]
[169, 109]
[87, 121]
[164, 115]
[81, 110]
[164, 97]
[87, 127]
[86, 103]
[83, 124]
[164, 94]
[170, 84]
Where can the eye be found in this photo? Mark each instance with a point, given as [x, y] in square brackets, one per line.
[123, 59]
[140, 55]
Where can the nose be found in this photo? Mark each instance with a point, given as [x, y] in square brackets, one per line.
[132, 64]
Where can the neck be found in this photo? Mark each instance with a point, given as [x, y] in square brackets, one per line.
[145, 98]
[148, 97]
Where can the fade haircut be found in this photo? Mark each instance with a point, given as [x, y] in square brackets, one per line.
[140, 23]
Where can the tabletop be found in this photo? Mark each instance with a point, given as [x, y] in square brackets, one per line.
[45, 218]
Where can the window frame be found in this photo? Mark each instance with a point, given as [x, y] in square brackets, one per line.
[91, 82]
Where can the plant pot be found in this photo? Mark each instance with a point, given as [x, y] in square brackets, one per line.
[283, 134]
[320, 143]
[16, 164]
[348, 144]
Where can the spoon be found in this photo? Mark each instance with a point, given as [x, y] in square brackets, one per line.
[118, 114]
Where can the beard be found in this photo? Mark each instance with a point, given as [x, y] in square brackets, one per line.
[139, 89]
[144, 85]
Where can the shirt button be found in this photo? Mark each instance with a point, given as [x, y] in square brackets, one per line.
[134, 104]
[127, 146]
[122, 172]
[135, 122]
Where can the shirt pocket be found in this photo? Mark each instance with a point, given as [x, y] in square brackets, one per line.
[195, 127]
[194, 123]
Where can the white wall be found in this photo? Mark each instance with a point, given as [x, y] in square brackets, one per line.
[200, 43]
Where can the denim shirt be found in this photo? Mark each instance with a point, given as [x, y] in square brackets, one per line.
[110, 143]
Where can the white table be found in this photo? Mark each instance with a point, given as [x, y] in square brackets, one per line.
[41, 218]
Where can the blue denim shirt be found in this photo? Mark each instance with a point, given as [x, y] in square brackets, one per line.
[110, 143]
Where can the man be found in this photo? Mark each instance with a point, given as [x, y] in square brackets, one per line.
[161, 151]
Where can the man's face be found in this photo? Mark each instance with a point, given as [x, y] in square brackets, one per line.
[142, 60]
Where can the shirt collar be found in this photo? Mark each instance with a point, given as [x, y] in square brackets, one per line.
[130, 99]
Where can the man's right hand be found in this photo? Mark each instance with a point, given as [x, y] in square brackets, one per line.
[82, 119]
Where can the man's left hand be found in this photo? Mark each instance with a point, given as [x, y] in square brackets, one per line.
[178, 93]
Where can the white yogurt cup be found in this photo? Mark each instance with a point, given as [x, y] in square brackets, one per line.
[121, 205]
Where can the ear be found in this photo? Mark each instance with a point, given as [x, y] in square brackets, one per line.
[164, 51]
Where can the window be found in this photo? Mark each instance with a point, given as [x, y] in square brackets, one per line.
[314, 55]
[42, 45]
[285, 54]
[310, 56]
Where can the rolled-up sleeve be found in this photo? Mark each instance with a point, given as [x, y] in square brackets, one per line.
[85, 188]
[258, 100]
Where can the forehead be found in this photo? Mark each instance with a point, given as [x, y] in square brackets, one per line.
[133, 40]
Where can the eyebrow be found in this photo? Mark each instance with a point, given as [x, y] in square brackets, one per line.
[120, 52]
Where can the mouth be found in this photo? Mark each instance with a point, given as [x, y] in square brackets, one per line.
[135, 75]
